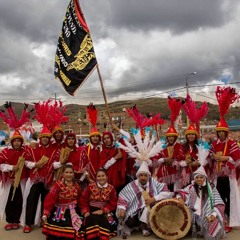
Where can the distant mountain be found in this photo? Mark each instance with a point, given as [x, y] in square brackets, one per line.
[77, 113]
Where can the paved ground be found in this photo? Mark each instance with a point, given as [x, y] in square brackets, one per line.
[37, 235]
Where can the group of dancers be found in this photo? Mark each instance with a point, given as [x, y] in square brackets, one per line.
[98, 190]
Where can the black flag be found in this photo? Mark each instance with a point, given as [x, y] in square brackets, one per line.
[75, 58]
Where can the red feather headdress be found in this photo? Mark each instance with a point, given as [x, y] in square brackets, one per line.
[92, 114]
[11, 118]
[50, 115]
[135, 115]
[194, 114]
[175, 107]
[141, 120]
[225, 97]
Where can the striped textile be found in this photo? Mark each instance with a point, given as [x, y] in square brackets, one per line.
[130, 198]
[210, 231]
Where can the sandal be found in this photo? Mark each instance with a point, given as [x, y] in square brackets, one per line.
[146, 233]
[228, 229]
[15, 226]
[8, 226]
[27, 229]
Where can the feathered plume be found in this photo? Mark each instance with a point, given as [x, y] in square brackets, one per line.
[92, 114]
[56, 112]
[42, 112]
[50, 115]
[175, 107]
[141, 120]
[194, 114]
[203, 151]
[225, 97]
[144, 149]
[153, 121]
[12, 119]
[135, 115]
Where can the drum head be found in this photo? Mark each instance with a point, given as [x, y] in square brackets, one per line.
[169, 220]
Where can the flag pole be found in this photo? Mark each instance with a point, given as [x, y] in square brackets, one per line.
[104, 95]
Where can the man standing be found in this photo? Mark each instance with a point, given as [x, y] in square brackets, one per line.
[225, 155]
[40, 178]
[13, 177]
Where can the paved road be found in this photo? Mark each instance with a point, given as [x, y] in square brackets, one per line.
[37, 235]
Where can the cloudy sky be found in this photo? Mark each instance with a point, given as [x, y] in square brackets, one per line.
[144, 48]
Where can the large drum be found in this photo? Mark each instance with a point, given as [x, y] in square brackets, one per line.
[169, 220]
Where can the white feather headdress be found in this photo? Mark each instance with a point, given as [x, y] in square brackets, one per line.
[144, 148]
[203, 152]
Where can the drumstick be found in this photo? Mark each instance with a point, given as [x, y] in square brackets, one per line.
[124, 235]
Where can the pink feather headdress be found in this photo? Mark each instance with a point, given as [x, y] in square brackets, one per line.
[11, 118]
[225, 97]
[92, 114]
[141, 120]
[194, 114]
[50, 115]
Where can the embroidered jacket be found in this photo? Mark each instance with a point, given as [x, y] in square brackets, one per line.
[61, 194]
[102, 197]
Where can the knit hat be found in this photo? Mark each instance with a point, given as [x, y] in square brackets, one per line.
[94, 131]
[191, 130]
[200, 171]
[16, 135]
[171, 132]
[57, 128]
[222, 125]
[45, 132]
[143, 169]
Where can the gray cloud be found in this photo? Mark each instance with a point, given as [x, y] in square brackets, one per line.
[142, 47]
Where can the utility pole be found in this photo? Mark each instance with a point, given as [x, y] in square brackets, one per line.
[187, 89]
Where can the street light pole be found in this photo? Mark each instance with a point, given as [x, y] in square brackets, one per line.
[193, 73]
[187, 89]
